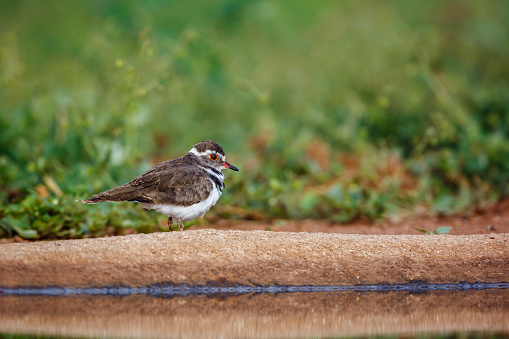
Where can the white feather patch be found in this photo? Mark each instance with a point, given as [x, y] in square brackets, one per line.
[207, 152]
[219, 175]
[188, 212]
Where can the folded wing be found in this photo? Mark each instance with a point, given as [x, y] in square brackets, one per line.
[162, 184]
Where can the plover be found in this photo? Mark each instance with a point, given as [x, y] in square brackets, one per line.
[183, 188]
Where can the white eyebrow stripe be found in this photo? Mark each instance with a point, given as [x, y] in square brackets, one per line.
[207, 152]
[194, 151]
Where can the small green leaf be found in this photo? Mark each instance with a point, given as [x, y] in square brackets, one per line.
[27, 234]
[439, 230]
[443, 230]
[22, 227]
[421, 230]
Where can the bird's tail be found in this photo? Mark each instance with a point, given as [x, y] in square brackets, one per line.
[124, 192]
[92, 200]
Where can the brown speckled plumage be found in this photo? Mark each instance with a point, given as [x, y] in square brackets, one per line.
[208, 145]
[184, 181]
[173, 182]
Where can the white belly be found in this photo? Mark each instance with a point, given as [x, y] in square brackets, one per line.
[187, 212]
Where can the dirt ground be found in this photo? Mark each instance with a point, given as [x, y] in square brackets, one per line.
[491, 220]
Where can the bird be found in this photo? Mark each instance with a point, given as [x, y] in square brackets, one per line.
[183, 188]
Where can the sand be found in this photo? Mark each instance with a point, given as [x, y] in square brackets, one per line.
[220, 257]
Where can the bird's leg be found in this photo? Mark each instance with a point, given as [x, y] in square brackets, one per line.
[170, 223]
[179, 223]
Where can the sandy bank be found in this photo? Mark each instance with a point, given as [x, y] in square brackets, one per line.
[256, 258]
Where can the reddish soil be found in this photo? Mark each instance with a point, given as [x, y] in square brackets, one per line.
[490, 221]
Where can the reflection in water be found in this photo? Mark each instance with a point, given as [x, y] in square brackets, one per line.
[317, 314]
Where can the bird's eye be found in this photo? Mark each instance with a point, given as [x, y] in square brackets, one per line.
[213, 157]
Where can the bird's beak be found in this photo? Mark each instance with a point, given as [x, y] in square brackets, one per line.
[230, 166]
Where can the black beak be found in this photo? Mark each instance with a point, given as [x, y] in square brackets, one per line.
[230, 166]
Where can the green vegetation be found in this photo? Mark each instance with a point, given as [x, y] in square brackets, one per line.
[439, 230]
[337, 110]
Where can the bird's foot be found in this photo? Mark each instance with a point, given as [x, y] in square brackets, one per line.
[179, 223]
[170, 223]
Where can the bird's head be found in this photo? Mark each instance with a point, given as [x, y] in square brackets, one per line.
[211, 154]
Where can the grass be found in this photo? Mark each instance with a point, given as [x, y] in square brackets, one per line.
[438, 230]
[331, 110]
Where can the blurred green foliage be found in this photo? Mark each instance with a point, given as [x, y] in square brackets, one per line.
[438, 230]
[93, 92]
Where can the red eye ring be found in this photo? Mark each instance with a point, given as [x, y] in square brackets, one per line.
[214, 157]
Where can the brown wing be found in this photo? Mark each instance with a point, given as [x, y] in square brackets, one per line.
[170, 182]
[187, 186]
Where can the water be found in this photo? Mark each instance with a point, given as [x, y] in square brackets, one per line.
[465, 310]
